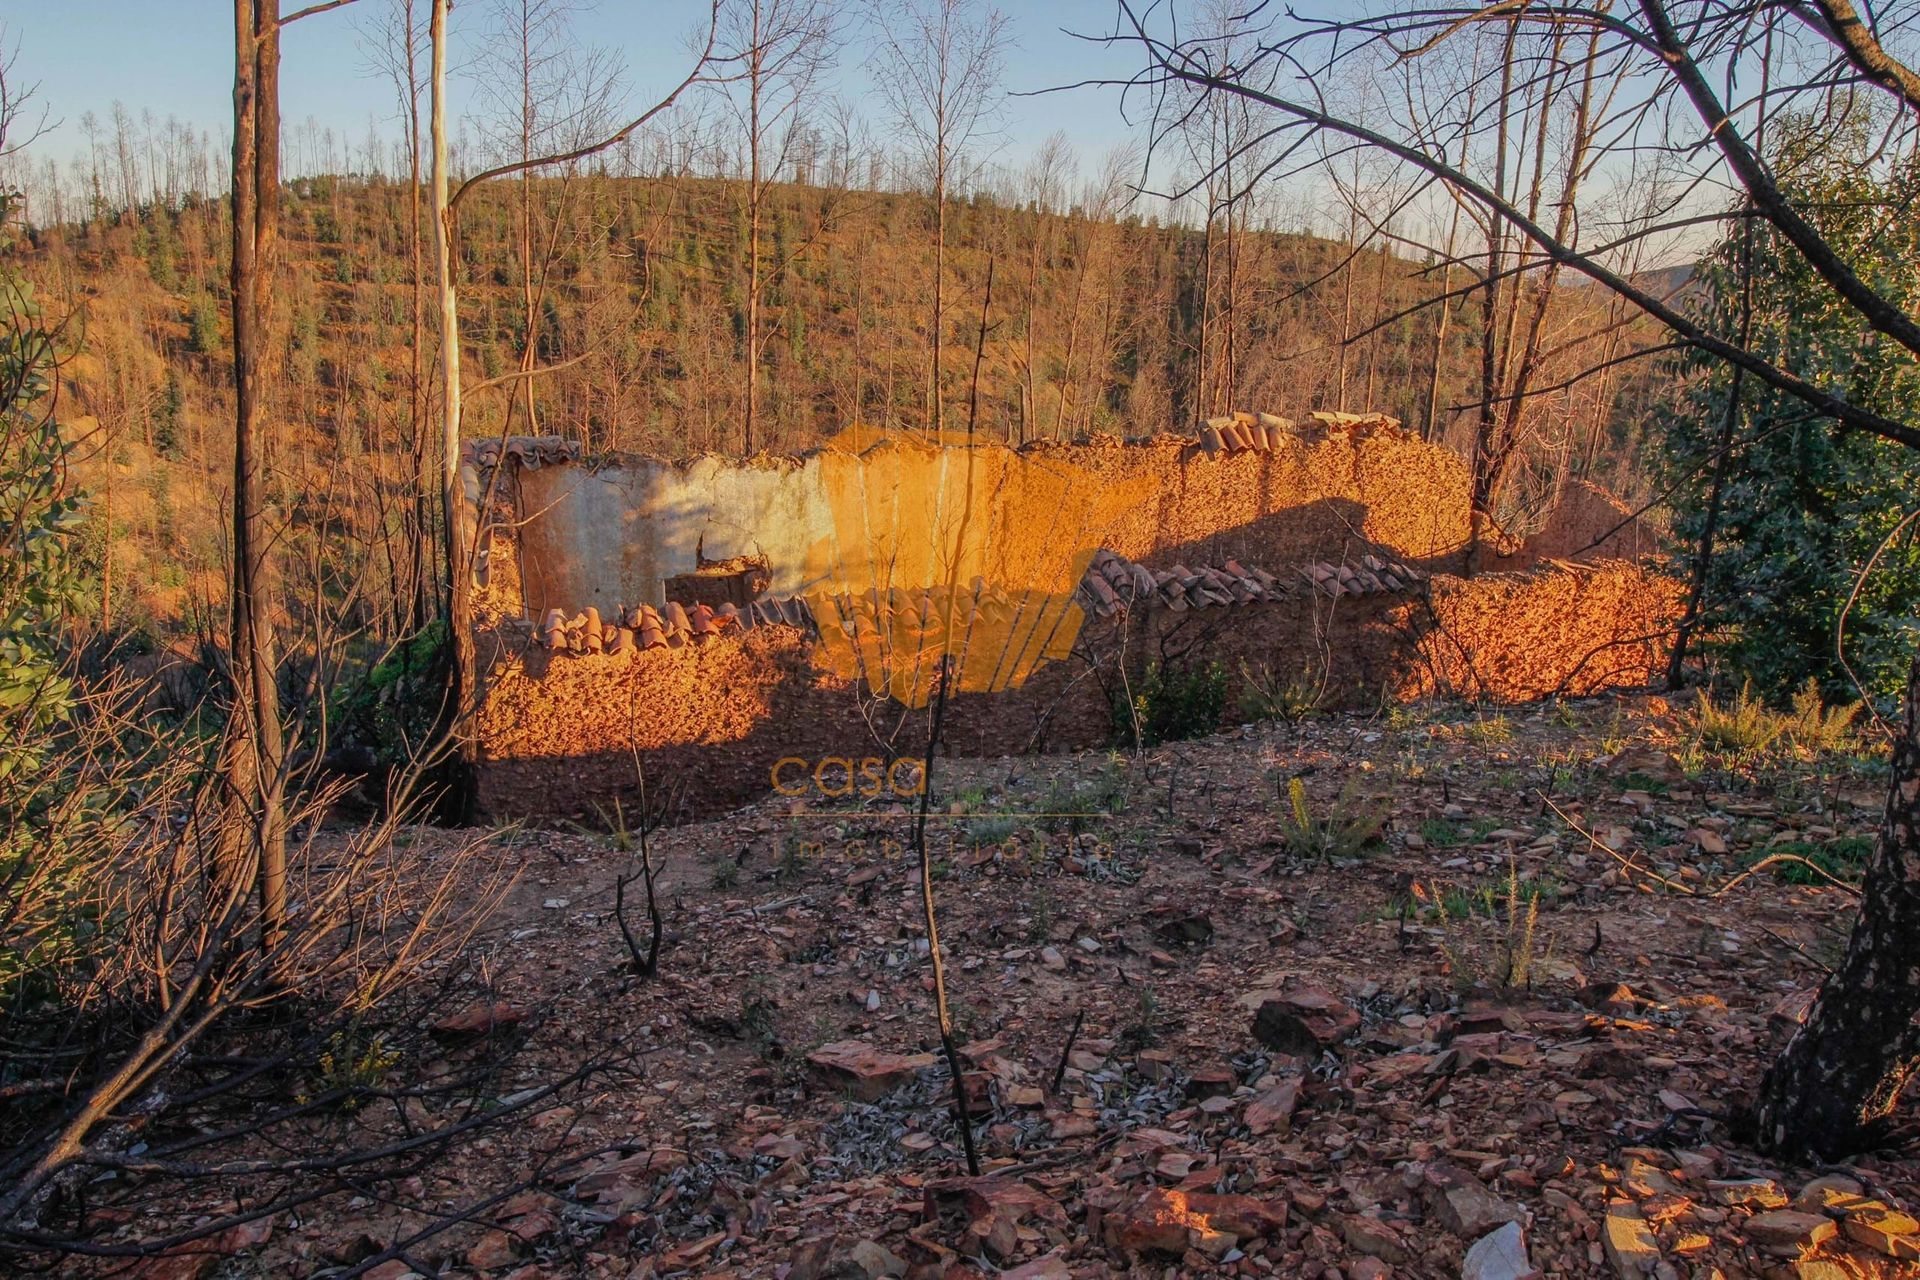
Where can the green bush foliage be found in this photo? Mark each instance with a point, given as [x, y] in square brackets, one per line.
[396, 710]
[1170, 703]
[42, 581]
[1806, 505]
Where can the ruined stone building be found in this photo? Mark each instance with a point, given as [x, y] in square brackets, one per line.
[703, 620]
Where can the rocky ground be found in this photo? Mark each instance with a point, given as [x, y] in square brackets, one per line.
[1210, 1026]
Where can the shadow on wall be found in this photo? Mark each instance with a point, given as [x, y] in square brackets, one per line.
[564, 735]
[1327, 529]
[862, 520]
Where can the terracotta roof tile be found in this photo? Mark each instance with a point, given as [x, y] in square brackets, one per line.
[531, 452]
[1264, 432]
[678, 625]
[1114, 584]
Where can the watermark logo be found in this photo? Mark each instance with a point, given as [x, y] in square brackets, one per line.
[838, 777]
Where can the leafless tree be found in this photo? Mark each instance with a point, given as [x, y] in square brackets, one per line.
[542, 92]
[256, 747]
[937, 63]
[394, 45]
[782, 48]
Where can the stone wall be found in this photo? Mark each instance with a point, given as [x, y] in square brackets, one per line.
[1324, 554]
[865, 513]
[562, 734]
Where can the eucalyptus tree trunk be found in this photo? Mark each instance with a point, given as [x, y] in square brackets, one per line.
[1834, 1086]
[255, 748]
[459, 552]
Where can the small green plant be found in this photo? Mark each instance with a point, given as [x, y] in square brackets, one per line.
[1462, 901]
[1040, 913]
[1507, 961]
[353, 1061]
[1400, 718]
[982, 832]
[1075, 806]
[1444, 833]
[612, 827]
[792, 860]
[1842, 859]
[1143, 1029]
[1265, 696]
[725, 874]
[1170, 704]
[1742, 726]
[1354, 823]
[757, 1023]
[1816, 727]
[1489, 731]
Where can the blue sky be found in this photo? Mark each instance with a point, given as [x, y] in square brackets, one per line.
[175, 57]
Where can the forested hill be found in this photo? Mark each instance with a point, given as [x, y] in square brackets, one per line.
[636, 292]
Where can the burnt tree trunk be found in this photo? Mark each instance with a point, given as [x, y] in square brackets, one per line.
[255, 751]
[1834, 1086]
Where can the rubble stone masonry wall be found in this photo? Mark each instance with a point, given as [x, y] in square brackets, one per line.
[563, 734]
[713, 705]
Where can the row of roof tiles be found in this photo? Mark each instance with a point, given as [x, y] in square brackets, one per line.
[668, 627]
[531, 452]
[1265, 432]
[1113, 586]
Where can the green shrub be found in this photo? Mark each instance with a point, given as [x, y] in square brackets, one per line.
[396, 709]
[1353, 824]
[1745, 725]
[1171, 703]
[45, 890]
[1805, 504]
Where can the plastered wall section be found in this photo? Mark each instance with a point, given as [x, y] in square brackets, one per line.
[892, 515]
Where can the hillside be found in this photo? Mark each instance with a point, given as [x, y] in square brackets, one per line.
[635, 291]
